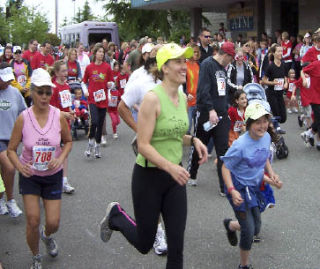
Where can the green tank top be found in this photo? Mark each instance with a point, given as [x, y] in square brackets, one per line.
[171, 125]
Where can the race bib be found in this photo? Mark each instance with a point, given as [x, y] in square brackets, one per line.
[113, 102]
[99, 95]
[123, 83]
[221, 82]
[308, 82]
[42, 155]
[280, 84]
[76, 103]
[291, 87]
[238, 126]
[22, 80]
[66, 99]
[318, 56]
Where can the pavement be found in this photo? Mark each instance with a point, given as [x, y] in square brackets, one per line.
[290, 231]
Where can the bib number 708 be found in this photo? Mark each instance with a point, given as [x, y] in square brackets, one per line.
[43, 156]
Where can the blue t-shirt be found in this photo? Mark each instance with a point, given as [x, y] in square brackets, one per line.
[246, 159]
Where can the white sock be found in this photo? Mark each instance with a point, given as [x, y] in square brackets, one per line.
[91, 141]
[65, 180]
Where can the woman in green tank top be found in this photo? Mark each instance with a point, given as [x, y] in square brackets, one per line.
[159, 180]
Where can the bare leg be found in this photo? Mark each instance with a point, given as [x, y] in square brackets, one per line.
[7, 173]
[244, 257]
[52, 209]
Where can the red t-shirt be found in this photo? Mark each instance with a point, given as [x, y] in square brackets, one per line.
[312, 55]
[72, 69]
[286, 46]
[115, 75]
[121, 82]
[98, 76]
[114, 100]
[237, 119]
[304, 93]
[28, 55]
[41, 61]
[61, 97]
[313, 70]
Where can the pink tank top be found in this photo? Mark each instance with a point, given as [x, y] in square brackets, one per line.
[40, 145]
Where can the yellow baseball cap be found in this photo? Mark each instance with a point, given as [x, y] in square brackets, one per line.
[254, 111]
[172, 51]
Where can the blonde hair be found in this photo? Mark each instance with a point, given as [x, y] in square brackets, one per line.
[56, 67]
[71, 51]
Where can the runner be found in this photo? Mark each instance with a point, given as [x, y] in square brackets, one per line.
[83, 58]
[31, 52]
[61, 99]
[11, 105]
[42, 59]
[158, 181]
[41, 128]
[73, 66]
[97, 74]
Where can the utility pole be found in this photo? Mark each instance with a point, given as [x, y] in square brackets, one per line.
[56, 16]
[74, 10]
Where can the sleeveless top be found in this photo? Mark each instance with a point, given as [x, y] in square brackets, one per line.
[171, 125]
[41, 145]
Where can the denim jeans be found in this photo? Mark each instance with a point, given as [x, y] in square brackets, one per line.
[191, 115]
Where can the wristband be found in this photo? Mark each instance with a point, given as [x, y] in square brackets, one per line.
[231, 189]
[191, 141]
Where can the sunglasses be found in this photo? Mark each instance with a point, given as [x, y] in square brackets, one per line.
[42, 92]
[207, 36]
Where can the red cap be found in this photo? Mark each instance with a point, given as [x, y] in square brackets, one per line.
[228, 47]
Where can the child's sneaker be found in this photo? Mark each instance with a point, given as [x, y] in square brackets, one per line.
[115, 136]
[295, 110]
[232, 235]
[289, 111]
[97, 151]
[300, 120]
[104, 140]
[193, 182]
[256, 239]
[90, 148]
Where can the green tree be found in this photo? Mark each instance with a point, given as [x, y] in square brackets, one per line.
[53, 39]
[86, 14]
[4, 29]
[65, 22]
[78, 17]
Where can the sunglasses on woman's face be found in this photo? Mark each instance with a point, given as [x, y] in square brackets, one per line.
[42, 92]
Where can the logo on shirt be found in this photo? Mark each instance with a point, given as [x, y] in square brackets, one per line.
[5, 105]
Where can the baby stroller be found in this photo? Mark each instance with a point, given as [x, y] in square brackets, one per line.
[256, 93]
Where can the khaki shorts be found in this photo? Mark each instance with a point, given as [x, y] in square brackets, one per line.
[306, 111]
[2, 188]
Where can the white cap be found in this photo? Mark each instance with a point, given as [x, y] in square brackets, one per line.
[41, 77]
[147, 48]
[306, 35]
[16, 48]
[6, 74]
[317, 31]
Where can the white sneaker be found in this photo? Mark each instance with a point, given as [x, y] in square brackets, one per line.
[14, 210]
[89, 150]
[36, 262]
[295, 110]
[97, 152]
[289, 111]
[51, 244]
[3, 207]
[193, 182]
[104, 140]
[67, 188]
[160, 244]
[115, 136]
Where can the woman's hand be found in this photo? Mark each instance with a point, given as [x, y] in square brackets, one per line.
[293, 98]
[236, 197]
[179, 174]
[190, 97]
[26, 170]
[68, 115]
[201, 149]
[55, 163]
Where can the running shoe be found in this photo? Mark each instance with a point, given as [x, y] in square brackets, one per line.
[104, 140]
[280, 131]
[3, 207]
[97, 151]
[105, 230]
[232, 235]
[308, 138]
[14, 210]
[160, 244]
[300, 120]
[256, 239]
[289, 111]
[295, 110]
[36, 262]
[193, 182]
[89, 150]
[51, 244]
[245, 267]
[67, 188]
[115, 136]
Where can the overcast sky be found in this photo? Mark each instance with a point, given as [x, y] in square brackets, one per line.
[65, 8]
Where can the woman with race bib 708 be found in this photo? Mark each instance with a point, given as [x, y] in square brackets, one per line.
[41, 128]
[97, 75]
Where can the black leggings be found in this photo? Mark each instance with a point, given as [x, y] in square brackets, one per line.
[277, 105]
[153, 192]
[316, 123]
[97, 116]
[220, 135]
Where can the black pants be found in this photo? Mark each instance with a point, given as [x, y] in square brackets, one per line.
[153, 192]
[278, 107]
[220, 135]
[97, 116]
[316, 123]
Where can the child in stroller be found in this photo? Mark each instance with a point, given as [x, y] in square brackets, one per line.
[80, 109]
[256, 93]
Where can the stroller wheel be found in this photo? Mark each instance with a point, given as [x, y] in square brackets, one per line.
[282, 152]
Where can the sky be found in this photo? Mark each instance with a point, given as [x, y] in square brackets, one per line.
[65, 8]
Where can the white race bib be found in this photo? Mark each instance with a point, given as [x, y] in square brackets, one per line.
[221, 82]
[123, 83]
[280, 84]
[42, 155]
[308, 82]
[318, 56]
[113, 102]
[238, 126]
[22, 80]
[292, 86]
[66, 99]
[99, 95]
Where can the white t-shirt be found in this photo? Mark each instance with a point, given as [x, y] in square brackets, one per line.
[137, 88]
[84, 62]
[141, 71]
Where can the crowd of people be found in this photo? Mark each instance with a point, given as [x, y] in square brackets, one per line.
[194, 94]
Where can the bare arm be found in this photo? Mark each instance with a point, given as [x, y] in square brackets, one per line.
[126, 115]
[148, 113]
[266, 81]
